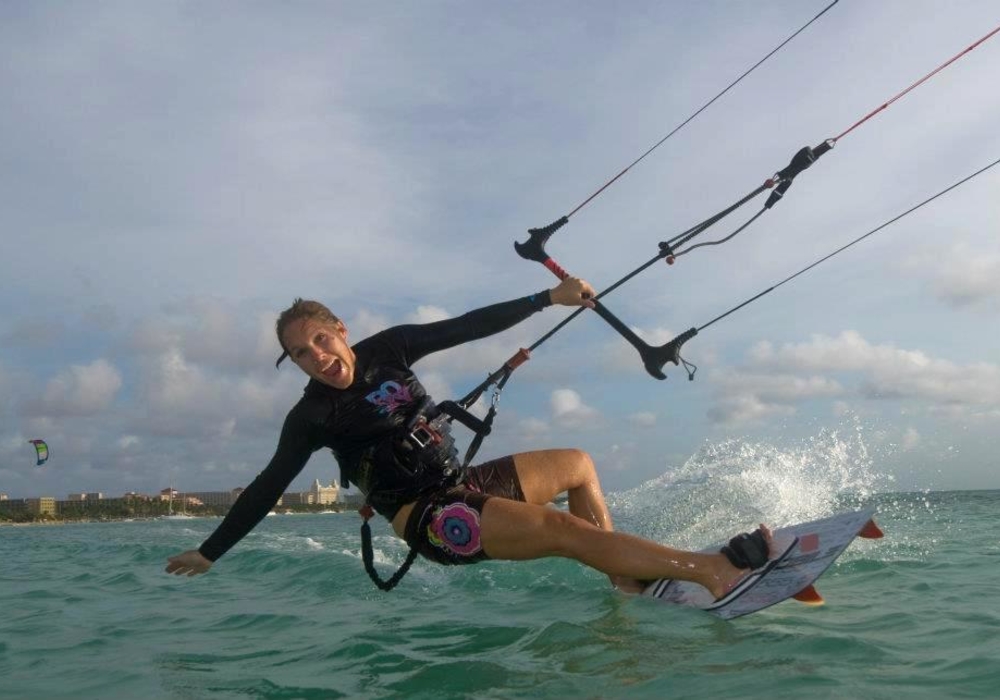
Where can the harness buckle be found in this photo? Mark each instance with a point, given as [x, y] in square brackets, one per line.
[424, 434]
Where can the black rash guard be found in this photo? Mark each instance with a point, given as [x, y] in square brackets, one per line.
[351, 421]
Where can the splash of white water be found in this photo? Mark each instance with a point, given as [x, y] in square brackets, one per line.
[733, 485]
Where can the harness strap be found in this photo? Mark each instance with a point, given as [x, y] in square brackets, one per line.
[457, 410]
[481, 427]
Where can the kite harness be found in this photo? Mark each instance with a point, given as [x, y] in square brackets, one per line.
[419, 458]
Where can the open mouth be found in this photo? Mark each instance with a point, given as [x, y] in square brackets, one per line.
[333, 370]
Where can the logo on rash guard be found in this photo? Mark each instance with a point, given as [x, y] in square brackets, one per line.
[389, 397]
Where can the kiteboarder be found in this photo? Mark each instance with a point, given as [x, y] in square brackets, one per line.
[364, 402]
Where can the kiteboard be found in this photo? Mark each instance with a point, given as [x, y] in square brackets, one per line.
[800, 555]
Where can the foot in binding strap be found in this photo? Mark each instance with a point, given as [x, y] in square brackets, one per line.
[748, 550]
[751, 551]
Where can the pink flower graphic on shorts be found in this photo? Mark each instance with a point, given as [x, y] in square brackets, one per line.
[455, 527]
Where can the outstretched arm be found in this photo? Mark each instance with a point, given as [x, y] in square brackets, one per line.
[252, 505]
[424, 339]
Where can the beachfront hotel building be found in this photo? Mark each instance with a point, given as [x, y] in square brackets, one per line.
[223, 499]
[317, 495]
[44, 505]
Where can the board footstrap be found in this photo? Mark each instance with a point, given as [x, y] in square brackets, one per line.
[752, 578]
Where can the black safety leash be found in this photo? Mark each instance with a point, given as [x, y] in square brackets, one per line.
[368, 555]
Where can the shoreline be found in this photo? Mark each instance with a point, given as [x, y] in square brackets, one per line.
[76, 522]
[7, 523]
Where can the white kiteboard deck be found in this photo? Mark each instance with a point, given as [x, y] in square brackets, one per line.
[801, 553]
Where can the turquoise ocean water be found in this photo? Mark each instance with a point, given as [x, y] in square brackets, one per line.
[86, 612]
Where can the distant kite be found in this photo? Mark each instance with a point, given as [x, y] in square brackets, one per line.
[41, 450]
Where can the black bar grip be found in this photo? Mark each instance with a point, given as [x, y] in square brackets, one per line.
[534, 247]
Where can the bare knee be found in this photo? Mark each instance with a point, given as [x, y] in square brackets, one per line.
[580, 461]
[575, 455]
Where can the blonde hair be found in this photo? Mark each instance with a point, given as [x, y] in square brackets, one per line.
[299, 310]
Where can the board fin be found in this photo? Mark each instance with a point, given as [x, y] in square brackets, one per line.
[871, 531]
[809, 595]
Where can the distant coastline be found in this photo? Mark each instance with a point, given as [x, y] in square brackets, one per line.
[75, 521]
[200, 514]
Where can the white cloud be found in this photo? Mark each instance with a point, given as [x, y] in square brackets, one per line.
[888, 371]
[437, 386]
[180, 397]
[365, 323]
[533, 427]
[569, 411]
[211, 333]
[643, 419]
[427, 314]
[744, 396]
[745, 408]
[767, 386]
[128, 441]
[976, 283]
[777, 387]
[962, 277]
[848, 351]
[80, 390]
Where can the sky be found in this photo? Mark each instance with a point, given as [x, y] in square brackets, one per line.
[173, 175]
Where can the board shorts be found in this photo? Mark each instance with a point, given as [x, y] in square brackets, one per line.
[444, 526]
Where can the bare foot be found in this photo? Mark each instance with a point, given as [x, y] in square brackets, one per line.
[724, 576]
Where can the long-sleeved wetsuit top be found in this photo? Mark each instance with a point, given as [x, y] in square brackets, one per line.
[350, 421]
